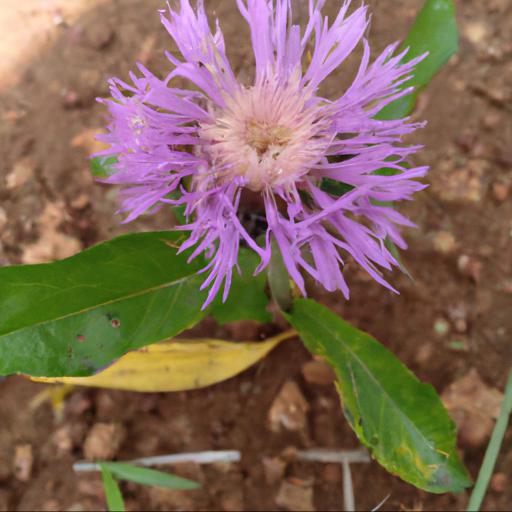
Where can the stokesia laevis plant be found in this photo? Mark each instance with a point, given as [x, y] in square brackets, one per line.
[277, 137]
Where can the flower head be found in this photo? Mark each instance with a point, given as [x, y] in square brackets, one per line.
[313, 161]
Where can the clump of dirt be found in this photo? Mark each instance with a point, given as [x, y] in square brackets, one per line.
[454, 316]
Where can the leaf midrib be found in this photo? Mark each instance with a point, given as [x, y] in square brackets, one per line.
[101, 304]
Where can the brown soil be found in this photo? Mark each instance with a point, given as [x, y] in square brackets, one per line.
[460, 258]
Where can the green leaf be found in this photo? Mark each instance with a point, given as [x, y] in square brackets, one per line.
[434, 31]
[387, 171]
[334, 187]
[395, 252]
[247, 299]
[102, 166]
[145, 476]
[75, 316]
[179, 211]
[113, 494]
[401, 420]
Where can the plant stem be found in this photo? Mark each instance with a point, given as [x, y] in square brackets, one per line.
[279, 280]
[491, 454]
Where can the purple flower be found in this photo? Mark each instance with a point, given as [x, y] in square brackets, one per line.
[276, 137]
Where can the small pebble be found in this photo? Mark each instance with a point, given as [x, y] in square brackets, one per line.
[499, 482]
[103, 441]
[80, 202]
[294, 497]
[474, 406]
[424, 353]
[22, 171]
[462, 185]
[23, 462]
[500, 191]
[289, 409]
[461, 325]
[69, 436]
[470, 267]
[78, 403]
[476, 31]
[444, 242]
[497, 95]
[318, 372]
[70, 98]
[491, 121]
[481, 151]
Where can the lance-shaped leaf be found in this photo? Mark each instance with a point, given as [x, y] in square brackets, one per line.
[75, 316]
[177, 365]
[401, 420]
[434, 31]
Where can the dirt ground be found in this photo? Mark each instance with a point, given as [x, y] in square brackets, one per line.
[452, 322]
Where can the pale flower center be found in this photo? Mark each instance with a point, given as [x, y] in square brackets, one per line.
[267, 135]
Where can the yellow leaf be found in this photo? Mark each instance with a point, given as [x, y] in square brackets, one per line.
[176, 365]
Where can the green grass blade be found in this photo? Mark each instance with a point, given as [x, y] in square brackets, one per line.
[115, 500]
[493, 449]
[146, 476]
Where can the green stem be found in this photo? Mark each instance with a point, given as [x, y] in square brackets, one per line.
[491, 454]
[279, 280]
